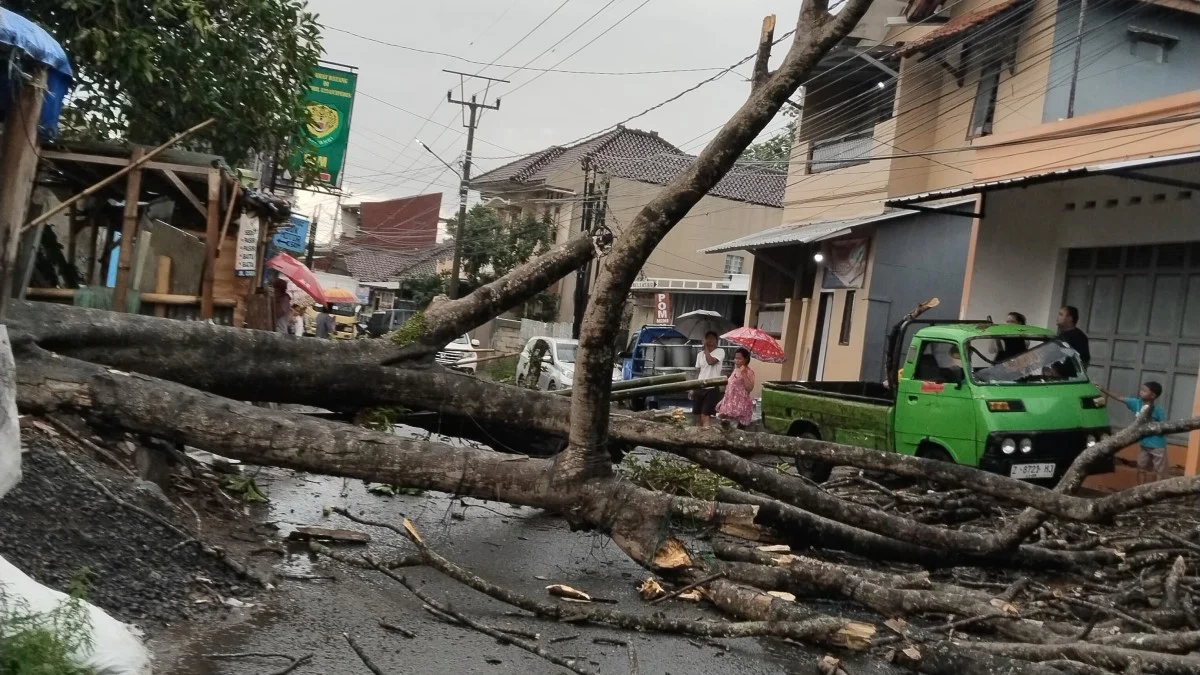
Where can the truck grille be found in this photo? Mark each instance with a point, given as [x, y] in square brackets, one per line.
[449, 358]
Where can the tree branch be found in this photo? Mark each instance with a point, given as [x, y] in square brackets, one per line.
[763, 58]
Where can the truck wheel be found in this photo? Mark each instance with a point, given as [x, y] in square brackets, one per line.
[938, 455]
[814, 470]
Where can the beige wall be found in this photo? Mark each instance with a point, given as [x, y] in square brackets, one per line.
[711, 221]
[1021, 247]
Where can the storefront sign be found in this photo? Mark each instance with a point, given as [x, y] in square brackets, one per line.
[663, 315]
[330, 104]
[246, 262]
[294, 237]
[845, 263]
[363, 294]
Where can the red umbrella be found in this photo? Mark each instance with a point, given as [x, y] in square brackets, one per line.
[761, 345]
[299, 274]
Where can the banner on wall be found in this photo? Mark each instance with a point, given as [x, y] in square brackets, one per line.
[246, 257]
[294, 237]
[663, 314]
[845, 263]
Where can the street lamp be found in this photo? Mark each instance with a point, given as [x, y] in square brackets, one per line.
[435, 156]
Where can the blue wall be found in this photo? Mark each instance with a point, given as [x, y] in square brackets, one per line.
[916, 258]
[1111, 74]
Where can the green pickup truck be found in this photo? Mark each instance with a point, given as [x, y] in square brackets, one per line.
[1013, 400]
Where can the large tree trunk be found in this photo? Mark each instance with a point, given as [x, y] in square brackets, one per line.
[817, 31]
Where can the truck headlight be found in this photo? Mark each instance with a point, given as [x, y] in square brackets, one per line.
[1008, 446]
[1026, 445]
[1091, 440]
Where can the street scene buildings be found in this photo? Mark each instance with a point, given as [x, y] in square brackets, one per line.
[643, 337]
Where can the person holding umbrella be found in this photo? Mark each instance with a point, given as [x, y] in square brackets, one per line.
[708, 361]
[737, 404]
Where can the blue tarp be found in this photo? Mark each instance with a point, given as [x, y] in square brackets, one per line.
[24, 36]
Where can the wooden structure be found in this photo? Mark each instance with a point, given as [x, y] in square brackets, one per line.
[207, 198]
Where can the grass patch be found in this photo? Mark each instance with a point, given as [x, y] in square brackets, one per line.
[44, 644]
[502, 370]
[674, 476]
[246, 488]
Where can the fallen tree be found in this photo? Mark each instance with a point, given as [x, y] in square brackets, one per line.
[188, 383]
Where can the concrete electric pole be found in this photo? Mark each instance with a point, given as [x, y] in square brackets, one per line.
[465, 179]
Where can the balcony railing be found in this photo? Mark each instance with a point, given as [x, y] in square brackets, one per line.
[732, 283]
[829, 154]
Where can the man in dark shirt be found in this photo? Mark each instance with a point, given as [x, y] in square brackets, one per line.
[1068, 316]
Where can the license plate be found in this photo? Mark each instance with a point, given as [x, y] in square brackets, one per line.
[1032, 471]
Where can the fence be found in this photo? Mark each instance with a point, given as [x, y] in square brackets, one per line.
[531, 329]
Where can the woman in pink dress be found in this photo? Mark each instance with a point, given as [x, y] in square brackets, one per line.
[737, 405]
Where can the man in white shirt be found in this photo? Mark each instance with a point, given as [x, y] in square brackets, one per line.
[709, 361]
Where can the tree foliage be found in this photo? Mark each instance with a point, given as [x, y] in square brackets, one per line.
[492, 247]
[147, 69]
[777, 147]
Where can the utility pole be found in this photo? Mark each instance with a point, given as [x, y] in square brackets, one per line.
[465, 179]
[312, 236]
[595, 204]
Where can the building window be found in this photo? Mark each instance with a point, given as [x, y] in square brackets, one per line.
[733, 264]
[847, 319]
[984, 111]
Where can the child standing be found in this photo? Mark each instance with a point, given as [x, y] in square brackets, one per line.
[1153, 454]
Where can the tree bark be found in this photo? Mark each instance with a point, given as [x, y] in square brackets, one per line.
[817, 32]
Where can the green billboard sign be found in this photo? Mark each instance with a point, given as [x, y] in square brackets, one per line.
[330, 104]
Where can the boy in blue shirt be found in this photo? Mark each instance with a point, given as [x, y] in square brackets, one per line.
[1153, 454]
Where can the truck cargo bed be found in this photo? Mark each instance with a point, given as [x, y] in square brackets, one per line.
[864, 392]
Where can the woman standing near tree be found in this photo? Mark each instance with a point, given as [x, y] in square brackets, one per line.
[737, 405]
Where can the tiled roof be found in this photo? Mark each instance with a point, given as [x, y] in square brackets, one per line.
[961, 24]
[374, 265]
[640, 156]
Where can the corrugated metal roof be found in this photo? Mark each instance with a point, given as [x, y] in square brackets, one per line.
[1045, 177]
[805, 232]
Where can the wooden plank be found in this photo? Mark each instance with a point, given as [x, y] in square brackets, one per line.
[211, 232]
[112, 178]
[152, 298]
[162, 284]
[313, 532]
[129, 227]
[120, 161]
[18, 168]
[185, 191]
[233, 195]
[94, 239]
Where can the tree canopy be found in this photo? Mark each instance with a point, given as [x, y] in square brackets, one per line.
[492, 247]
[147, 69]
[778, 146]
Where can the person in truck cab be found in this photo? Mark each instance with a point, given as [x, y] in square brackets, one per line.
[704, 401]
[1070, 333]
[1006, 348]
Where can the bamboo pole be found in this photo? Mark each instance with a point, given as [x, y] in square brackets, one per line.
[637, 382]
[129, 228]
[18, 168]
[108, 181]
[674, 387]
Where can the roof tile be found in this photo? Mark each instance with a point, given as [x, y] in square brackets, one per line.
[959, 25]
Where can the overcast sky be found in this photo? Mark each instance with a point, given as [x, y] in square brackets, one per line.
[538, 109]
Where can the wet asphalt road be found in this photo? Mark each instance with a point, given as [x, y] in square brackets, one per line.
[519, 548]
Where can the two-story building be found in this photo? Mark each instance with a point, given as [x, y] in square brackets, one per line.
[606, 180]
[1004, 156]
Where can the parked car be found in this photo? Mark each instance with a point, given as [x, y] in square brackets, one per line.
[460, 354]
[558, 363]
[952, 399]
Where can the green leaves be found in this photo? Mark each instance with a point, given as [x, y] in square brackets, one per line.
[147, 69]
[493, 244]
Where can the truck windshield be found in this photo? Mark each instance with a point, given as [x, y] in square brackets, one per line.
[1024, 361]
[342, 309]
